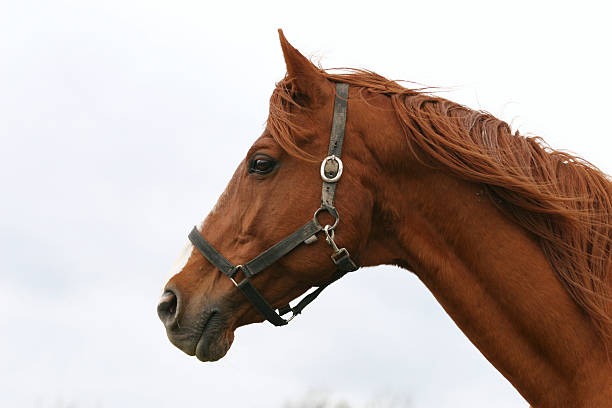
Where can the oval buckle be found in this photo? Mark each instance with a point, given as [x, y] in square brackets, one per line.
[332, 161]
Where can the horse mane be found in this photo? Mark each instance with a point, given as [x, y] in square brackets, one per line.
[565, 201]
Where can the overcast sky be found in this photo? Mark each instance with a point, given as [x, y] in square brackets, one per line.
[122, 121]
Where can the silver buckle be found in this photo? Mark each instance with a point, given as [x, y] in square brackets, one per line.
[236, 269]
[338, 173]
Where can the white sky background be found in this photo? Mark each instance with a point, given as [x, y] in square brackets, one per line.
[122, 121]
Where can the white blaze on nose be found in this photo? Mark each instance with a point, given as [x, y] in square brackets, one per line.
[181, 260]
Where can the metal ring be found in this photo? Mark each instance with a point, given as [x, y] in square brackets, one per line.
[318, 224]
[338, 174]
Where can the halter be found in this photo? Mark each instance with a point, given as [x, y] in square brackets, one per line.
[331, 171]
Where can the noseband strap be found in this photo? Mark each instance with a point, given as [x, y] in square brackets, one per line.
[331, 171]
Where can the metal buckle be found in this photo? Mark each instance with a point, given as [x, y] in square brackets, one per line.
[234, 272]
[338, 172]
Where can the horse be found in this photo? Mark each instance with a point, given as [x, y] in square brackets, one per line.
[512, 237]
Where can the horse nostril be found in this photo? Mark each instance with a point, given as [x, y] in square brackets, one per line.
[166, 309]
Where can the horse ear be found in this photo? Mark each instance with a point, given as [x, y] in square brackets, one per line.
[303, 74]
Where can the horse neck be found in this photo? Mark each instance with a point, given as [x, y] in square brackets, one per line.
[492, 278]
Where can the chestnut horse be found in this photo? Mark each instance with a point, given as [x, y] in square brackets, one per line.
[512, 237]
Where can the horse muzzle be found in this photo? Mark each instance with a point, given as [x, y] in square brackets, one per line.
[201, 330]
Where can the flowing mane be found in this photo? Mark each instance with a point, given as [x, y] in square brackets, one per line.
[565, 201]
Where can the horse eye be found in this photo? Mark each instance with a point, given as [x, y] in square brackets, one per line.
[261, 166]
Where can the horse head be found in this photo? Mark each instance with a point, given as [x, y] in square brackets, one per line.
[275, 190]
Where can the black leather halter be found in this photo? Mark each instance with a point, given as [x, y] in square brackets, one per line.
[331, 171]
